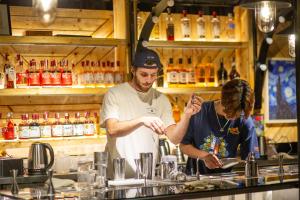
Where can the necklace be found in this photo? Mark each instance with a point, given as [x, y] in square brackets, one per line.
[221, 128]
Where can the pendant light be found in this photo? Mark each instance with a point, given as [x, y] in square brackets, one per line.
[46, 10]
[265, 12]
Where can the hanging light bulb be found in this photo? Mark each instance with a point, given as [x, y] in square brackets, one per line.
[46, 10]
[265, 14]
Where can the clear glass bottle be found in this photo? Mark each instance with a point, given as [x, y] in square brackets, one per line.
[55, 74]
[34, 126]
[46, 74]
[185, 26]
[170, 26]
[230, 27]
[57, 128]
[182, 72]
[24, 131]
[119, 78]
[233, 72]
[89, 128]
[21, 73]
[46, 126]
[222, 74]
[66, 76]
[201, 26]
[78, 126]
[216, 27]
[67, 126]
[10, 73]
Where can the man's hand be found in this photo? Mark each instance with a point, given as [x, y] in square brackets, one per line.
[194, 105]
[155, 124]
[211, 161]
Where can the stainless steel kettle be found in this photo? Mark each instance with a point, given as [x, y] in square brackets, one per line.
[38, 161]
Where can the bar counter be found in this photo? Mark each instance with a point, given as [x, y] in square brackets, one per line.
[208, 186]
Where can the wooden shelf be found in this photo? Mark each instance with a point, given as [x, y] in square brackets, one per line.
[190, 90]
[60, 41]
[196, 44]
[53, 92]
[53, 139]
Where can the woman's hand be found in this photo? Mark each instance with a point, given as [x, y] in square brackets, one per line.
[212, 161]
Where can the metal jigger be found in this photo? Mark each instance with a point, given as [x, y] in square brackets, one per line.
[14, 186]
[51, 190]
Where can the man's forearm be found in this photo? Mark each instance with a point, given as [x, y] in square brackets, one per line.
[175, 133]
[192, 152]
[120, 128]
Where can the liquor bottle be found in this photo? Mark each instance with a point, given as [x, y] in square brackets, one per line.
[57, 128]
[67, 126]
[210, 74]
[75, 75]
[182, 72]
[201, 77]
[45, 126]
[108, 77]
[101, 74]
[190, 72]
[155, 32]
[55, 74]
[46, 73]
[22, 74]
[24, 131]
[118, 74]
[176, 111]
[9, 133]
[170, 26]
[172, 73]
[82, 74]
[2, 76]
[222, 74]
[201, 26]
[216, 28]
[78, 126]
[89, 128]
[87, 73]
[10, 73]
[34, 127]
[185, 26]
[230, 27]
[233, 72]
[96, 123]
[66, 76]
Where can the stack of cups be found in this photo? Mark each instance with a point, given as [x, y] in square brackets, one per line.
[100, 163]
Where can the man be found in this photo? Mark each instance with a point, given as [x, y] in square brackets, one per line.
[220, 127]
[134, 114]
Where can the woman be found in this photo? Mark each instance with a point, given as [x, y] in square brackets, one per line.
[220, 128]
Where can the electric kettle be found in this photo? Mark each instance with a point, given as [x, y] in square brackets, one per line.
[38, 159]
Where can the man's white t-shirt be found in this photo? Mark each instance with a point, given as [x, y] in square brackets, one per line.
[123, 103]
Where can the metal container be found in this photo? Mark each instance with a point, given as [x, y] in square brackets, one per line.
[251, 167]
[146, 165]
[119, 168]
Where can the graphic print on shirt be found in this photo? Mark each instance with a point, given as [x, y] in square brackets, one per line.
[215, 145]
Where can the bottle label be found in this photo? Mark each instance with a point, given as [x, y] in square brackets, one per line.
[118, 77]
[24, 132]
[35, 131]
[34, 78]
[186, 30]
[201, 30]
[66, 78]
[191, 77]
[46, 131]
[67, 130]
[216, 30]
[231, 26]
[78, 129]
[21, 79]
[56, 78]
[173, 77]
[99, 77]
[57, 130]
[46, 78]
[108, 78]
[89, 129]
[10, 73]
[183, 77]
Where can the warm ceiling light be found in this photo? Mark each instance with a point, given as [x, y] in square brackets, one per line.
[265, 12]
[46, 9]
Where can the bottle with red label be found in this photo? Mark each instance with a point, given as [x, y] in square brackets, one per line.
[46, 73]
[118, 74]
[89, 127]
[9, 130]
[10, 73]
[57, 127]
[66, 77]
[24, 131]
[34, 74]
[55, 74]
[45, 126]
[82, 74]
[21, 73]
